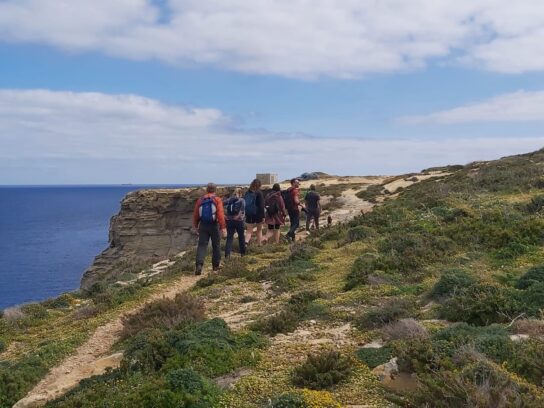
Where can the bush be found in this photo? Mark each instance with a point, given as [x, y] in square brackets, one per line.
[533, 275]
[302, 251]
[235, 267]
[285, 321]
[359, 233]
[477, 383]
[451, 281]
[63, 301]
[536, 205]
[321, 371]
[2, 345]
[164, 313]
[289, 400]
[363, 266]
[404, 329]
[373, 357]
[34, 311]
[392, 310]
[147, 351]
[86, 312]
[483, 304]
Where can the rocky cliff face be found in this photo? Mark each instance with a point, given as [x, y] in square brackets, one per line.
[151, 225]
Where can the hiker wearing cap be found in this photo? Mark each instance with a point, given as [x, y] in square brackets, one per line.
[313, 208]
[235, 210]
[254, 211]
[291, 198]
[275, 212]
[209, 222]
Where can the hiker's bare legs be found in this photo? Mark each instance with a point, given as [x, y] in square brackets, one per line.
[276, 236]
[259, 233]
[249, 232]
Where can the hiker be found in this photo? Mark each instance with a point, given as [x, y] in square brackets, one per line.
[275, 213]
[291, 198]
[235, 210]
[254, 211]
[313, 208]
[208, 220]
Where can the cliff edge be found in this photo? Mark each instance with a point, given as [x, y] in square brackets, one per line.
[151, 225]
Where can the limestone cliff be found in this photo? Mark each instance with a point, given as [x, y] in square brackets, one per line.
[151, 225]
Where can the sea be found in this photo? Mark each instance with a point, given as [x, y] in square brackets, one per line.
[49, 235]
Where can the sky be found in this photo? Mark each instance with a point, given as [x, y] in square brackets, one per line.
[191, 91]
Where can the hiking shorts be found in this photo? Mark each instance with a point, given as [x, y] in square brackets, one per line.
[274, 226]
[254, 219]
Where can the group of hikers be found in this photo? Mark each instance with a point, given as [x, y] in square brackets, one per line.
[215, 217]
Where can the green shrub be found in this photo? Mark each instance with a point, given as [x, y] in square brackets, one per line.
[164, 314]
[371, 193]
[477, 383]
[533, 275]
[483, 304]
[450, 282]
[34, 311]
[363, 266]
[63, 301]
[186, 380]
[235, 267]
[285, 321]
[536, 205]
[147, 351]
[86, 312]
[2, 345]
[359, 233]
[321, 371]
[302, 251]
[288, 400]
[527, 360]
[373, 357]
[392, 310]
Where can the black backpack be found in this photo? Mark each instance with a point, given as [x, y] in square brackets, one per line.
[288, 199]
[234, 205]
[273, 208]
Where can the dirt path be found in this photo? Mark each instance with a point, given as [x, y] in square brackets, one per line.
[90, 358]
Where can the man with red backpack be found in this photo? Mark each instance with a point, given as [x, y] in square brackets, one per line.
[208, 220]
[291, 198]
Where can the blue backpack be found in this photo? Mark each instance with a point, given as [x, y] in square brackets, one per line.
[208, 209]
[251, 203]
[234, 205]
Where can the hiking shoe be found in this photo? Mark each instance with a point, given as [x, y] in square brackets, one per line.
[198, 270]
[216, 269]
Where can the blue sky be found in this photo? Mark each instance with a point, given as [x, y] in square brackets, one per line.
[178, 91]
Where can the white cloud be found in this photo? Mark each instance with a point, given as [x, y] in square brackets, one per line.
[293, 38]
[67, 137]
[519, 106]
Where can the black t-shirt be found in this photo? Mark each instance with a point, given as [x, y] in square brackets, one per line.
[312, 200]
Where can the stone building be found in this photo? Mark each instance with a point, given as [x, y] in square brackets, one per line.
[267, 178]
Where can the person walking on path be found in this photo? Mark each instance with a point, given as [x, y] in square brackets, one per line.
[313, 208]
[291, 197]
[235, 210]
[275, 212]
[209, 223]
[254, 211]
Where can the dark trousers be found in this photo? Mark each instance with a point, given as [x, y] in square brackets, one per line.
[294, 218]
[205, 233]
[238, 227]
[312, 215]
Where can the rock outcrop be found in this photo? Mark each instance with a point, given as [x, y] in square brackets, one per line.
[152, 225]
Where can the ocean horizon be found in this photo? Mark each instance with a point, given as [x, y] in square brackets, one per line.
[51, 233]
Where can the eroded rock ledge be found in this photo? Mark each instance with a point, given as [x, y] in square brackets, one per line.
[152, 225]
